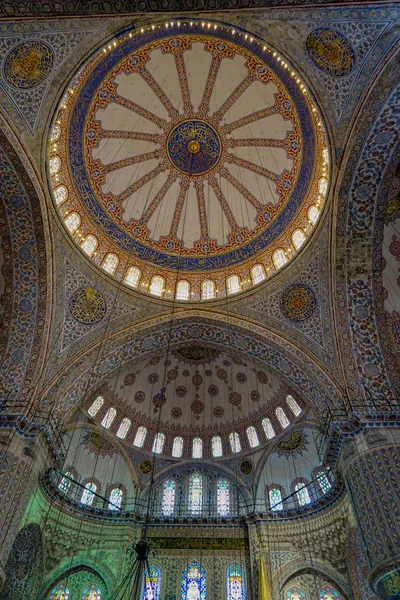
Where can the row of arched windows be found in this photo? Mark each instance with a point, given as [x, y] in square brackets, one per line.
[195, 497]
[89, 492]
[62, 592]
[197, 443]
[276, 503]
[326, 593]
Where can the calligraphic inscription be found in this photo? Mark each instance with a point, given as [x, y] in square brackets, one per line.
[194, 147]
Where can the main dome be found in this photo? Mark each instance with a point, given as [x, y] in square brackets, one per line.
[188, 160]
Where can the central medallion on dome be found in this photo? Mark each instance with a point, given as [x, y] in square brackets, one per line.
[194, 147]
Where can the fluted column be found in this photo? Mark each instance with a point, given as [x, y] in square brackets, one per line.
[21, 462]
[371, 466]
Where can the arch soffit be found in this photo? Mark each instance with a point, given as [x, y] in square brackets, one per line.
[139, 342]
[296, 569]
[357, 200]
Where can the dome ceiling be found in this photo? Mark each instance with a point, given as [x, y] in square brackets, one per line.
[189, 153]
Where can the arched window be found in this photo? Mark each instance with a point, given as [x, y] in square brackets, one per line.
[151, 589]
[298, 238]
[109, 418]
[177, 447]
[157, 285]
[324, 482]
[197, 448]
[88, 494]
[195, 494]
[252, 437]
[234, 440]
[140, 437]
[110, 263]
[91, 592]
[257, 274]
[207, 290]
[60, 194]
[216, 446]
[193, 585]
[295, 594]
[65, 483]
[54, 164]
[233, 284]
[279, 258]
[302, 494]
[235, 583]
[89, 245]
[183, 290]
[275, 499]
[313, 214]
[60, 592]
[115, 502]
[96, 406]
[282, 418]
[123, 428]
[323, 186]
[223, 500]
[72, 222]
[158, 443]
[55, 133]
[132, 277]
[268, 429]
[168, 498]
[329, 593]
[292, 404]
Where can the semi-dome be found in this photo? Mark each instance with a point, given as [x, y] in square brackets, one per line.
[188, 160]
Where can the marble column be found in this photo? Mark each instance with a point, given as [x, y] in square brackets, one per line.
[370, 462]
[21, 462]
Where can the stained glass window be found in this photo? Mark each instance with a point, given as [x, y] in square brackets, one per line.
[216, 445]
[158, 443]
[233, 284]
[292, 404]
[65, 483]
[207, 290]
[60, 194]
[89, 245]
[223, 501]
[235, 583]
[323, 186]
[298, 238]
[193, 585]
[123, 428]
[151, 589]
[91, 592]
[252, 437]
[302, 494]
[197, 448]
[279, 258]
[55, 133]
[140, 437]
[115, 499]
[72, 222]
[132, 277]
[88, 495]
[168, 498]
[195, 494]
[109, 418]
[329, 593]
[183, 290]
[282, 418]
[157, 285]
[96, 406]
[324, 482]
[177, 447]
[257, 274]
[268, 429]
[295, 594]
[313, 214]
[234, 440]
[60, 592]
[275, 499]
[54, 164]
[110, 263]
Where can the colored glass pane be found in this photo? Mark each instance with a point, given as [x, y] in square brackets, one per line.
[88, 494]
[223, 501]
[292, 404]
[123, 428]
[197, 448]
[268, 429]
[195, 494]
[282, 418]
[234, 440]
[168, 498]
[257, 274]
[65, 483]
[324, 482]
[328, 593]
[96, 406]
[275, 499]
[216, 445]
[109, 418]
[92, 592]
[132, 277]
[60, 592]
[177, 447]
[207, 290]
[302, 494]
[115, 499]
[151, 587]
[157, 285]
[110, 263]
[140, 437]
[252, 437]
[158, 443]
[183, 290]
[233, 284]
[295, 594]
[235, 583]
[89, 245]
[193, 583]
